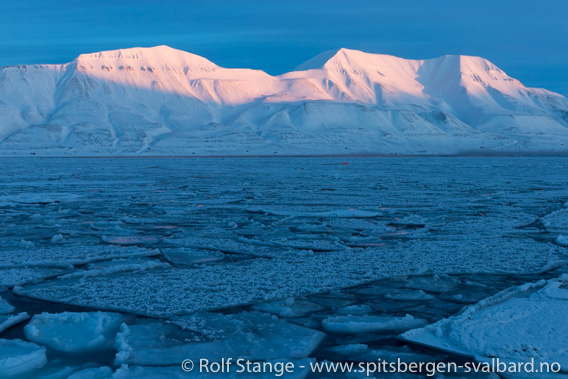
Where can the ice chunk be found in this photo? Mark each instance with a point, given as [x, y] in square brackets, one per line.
[116, 266]
[38, 198]
[411, 295]
[24, 275]
[340, 213]
[350, 350]
[301, 370]
[131, 240]
[556, 221]
[74, 332]
[187, 257]
[227, 245]
[141, 372]
[92, 373]
[5, 307]
[516, 325]
[289, 307]
[57, 238]
[63, 256]
[371, 324]
[248, 335]
[19, 358]
[353, 310]
[433, 283]
[562, 240]
[363, 353]
[7, 321]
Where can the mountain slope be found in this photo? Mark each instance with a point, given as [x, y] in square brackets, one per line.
[168, 102]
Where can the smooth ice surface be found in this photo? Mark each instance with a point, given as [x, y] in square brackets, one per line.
[285, 227]
[248, 335]
[371, 324]
[515, 325]
[74, 332]
[19, 358]
[289, 307]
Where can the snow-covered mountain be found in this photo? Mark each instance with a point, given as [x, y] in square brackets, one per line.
[162, 101]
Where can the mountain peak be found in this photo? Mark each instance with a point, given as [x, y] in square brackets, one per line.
[156, 56]
[322, 59]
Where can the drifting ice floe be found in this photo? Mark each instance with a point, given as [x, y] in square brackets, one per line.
[247, 335]
[74, 332]
[289, 307]
[92, 373]
[556, 221]
[19, 358]
[301, 370]
[515, 325]
[371, 324]
[7, 321]
[116, 266]
[184, 256]
[198, 288]
[562, 240]
[10, 277]
[363, 353]
[340, 213]
[5, 307]
[64, 256]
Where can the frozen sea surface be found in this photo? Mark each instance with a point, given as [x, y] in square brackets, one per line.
[356, 249]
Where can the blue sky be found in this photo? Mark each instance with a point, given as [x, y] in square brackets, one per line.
[527, 39]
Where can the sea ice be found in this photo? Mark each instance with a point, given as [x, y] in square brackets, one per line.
[410, 294]
[289, 307]
[301, 370]
[339, 213]
[184, 256]
[354, 310]
[17, 276]
[515, 325]
[7, 321]
[433, 283]
[248, 335]
[130, 240]
[74, 332]
[562, 240]
[20, 359]
[92, 373]
[5, 307]
[64, 256]
[371, 324]
[556, 221]
[116, 266]
[198, 288]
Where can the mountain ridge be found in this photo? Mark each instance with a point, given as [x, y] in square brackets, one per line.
[169, 102]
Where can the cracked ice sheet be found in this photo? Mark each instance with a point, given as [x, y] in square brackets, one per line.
[183, 290]
[64, 256]
[301, 370]
[10, 277]
[515, 325]
[252, 336]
